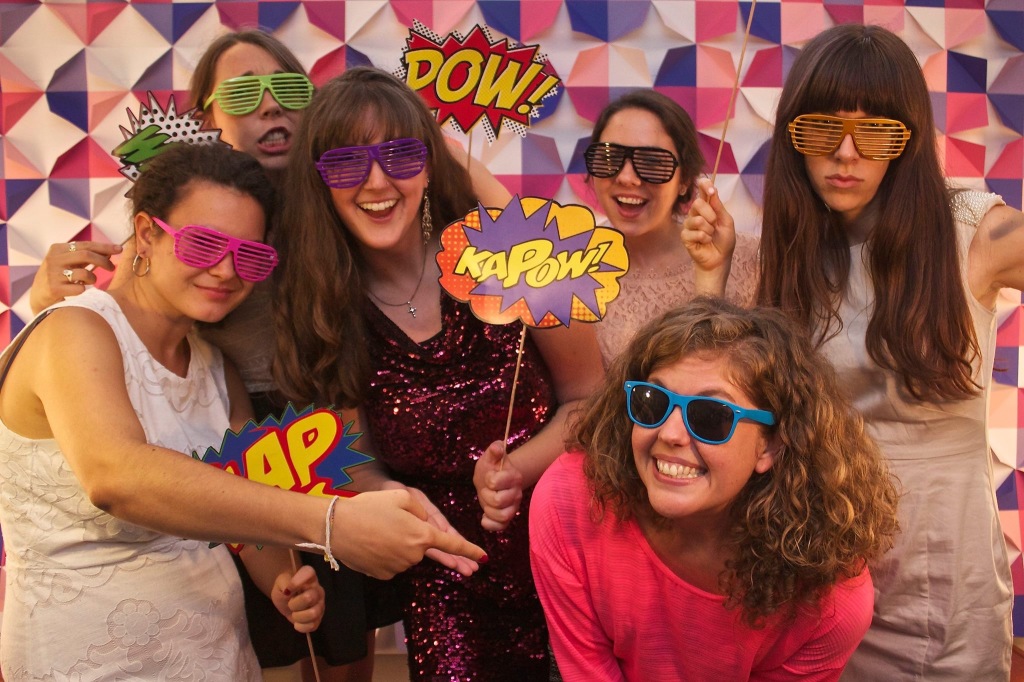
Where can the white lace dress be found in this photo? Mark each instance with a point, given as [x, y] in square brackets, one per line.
[91, 597]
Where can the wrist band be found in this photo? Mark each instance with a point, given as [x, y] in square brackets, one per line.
[326, 547]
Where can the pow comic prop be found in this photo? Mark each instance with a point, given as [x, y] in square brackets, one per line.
[154, 130]
[475, 79]
[535, 261]
[306, 452]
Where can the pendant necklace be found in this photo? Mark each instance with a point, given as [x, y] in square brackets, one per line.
[408, 304]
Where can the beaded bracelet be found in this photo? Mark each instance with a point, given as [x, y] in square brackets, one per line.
[326, 547]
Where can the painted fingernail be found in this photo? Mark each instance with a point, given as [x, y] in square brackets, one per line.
[287, 592]
[483, 560]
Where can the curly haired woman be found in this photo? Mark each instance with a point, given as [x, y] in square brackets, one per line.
[725, 540]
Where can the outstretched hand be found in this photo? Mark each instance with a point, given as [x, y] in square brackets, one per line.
[385, 532]
[709, 235]
[300, 598]
[499, 487]
[67, 269]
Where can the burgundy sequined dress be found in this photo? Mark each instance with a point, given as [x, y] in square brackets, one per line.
[432, 409]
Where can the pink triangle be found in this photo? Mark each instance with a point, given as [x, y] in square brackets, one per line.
[15, 105]
[238, 15]
[715, 19]
[765, 70]
[16, 166]
[965, 111]
[85, 160]
[448, 14]
[328, 16]
[963, 25]
[327, 67]
[1017, 572]
[964, 159]
[1011, 331]
[541, 14]
[590, 68]
[101, 104]
[419, 10]
[715, 68]
[88, 20]
[934, 69]
[1010, 163]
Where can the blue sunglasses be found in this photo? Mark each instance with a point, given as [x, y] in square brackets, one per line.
[709, 420]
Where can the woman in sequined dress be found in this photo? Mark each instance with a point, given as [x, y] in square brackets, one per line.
[897, 276]
[430, 383]
[642, 163]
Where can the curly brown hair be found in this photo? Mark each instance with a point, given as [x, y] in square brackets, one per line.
[825, 507]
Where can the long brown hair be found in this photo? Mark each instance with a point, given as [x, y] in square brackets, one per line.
[321, 353]
[921, 326]
[827, 504]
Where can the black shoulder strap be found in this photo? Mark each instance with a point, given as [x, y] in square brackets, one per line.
[21, 342]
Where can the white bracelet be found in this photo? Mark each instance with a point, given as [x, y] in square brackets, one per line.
[326, 547]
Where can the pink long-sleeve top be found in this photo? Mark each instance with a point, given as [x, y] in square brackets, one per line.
[616, 612]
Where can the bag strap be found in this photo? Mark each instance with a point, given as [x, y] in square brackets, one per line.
[20, 341]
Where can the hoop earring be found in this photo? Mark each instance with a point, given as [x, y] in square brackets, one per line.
[426, 221]
[135, 266]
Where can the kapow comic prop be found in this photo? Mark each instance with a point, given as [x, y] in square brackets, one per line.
[154, 130]
[306, 452]
[475, 79]
[535, 261]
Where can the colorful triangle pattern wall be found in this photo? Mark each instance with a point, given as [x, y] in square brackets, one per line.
[69, 70]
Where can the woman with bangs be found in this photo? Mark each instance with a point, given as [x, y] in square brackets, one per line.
[370, 186]
[723, 540]
[896, 275]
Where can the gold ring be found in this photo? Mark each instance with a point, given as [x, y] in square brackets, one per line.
[69, 273]
[72, 246]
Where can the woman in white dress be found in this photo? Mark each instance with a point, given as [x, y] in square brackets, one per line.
[897, 276]
[100, 407]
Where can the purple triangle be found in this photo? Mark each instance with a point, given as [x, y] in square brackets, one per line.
[679, 67]
[589, 16]
[12, 16]
[1010, 109]
[626, 17]
[540, 156]
[3, 252]
[965, 73]
[576, 163]
[502, 16]
[1012, 191]
[186, 14]
[72, 106]
[160, 16]
[354, 57]
[767, 23]
[1009, 25]
[18, 192]
[1005, 368]
[159, 76]
[72, 195]
[69, 76]
[273, 14]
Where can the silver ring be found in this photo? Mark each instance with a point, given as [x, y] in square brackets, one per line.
[72, 246]
[69, 273]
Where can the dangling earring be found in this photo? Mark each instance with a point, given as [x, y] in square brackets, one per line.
[426, 221]
[135, 266]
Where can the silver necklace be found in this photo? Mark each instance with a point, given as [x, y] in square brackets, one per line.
[408, 304]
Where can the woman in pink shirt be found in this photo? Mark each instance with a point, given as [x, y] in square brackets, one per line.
[724, 540]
